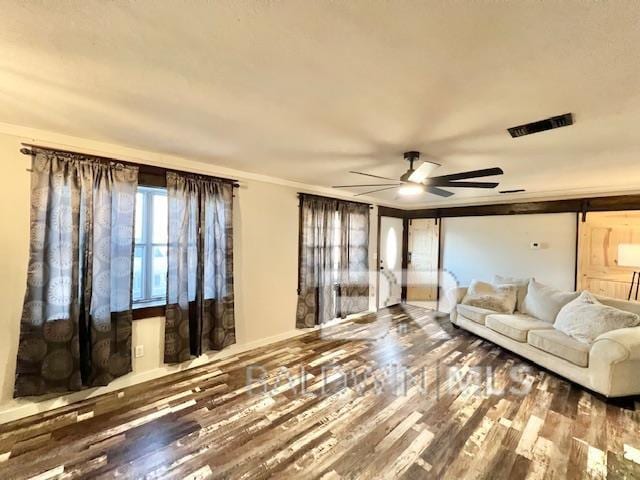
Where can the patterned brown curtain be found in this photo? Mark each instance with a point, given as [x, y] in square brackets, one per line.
[200, 302]
[319, 255]
[354, 258]
[75, 330]
[333, 269]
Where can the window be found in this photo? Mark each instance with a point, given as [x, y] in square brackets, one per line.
[335, 254]
[333, 266]
[150, 257]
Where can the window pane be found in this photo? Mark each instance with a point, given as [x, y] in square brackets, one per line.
[137, 292]
[150, 259]
[139, 214]
[337, 240]
[159, 218]
[159, 272]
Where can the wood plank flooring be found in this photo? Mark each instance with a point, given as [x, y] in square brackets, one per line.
[398, 394]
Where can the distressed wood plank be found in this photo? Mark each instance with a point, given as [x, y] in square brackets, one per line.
[397, 394]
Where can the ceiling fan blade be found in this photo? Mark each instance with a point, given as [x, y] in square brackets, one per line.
[468, 184]
[367, 185]
[374, 191]
[423, 171]
[485, 172]
[439, 191]
[374, 176]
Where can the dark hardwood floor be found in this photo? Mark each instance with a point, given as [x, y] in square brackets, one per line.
[399, 394]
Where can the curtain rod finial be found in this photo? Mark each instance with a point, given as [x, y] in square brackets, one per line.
[26, 151]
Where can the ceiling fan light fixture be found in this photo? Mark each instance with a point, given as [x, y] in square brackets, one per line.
[410, 190]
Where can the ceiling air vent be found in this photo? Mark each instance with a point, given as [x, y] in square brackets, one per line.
[541, 125]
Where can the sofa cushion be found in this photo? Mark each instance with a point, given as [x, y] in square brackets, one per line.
[499, 298]
[585, 318]
[476, 314]
[514, 326]
[545, 302]
[560, 345]
[521, 283]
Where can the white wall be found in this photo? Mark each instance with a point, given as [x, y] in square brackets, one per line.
[265, 264]
[265, 257]
[480, 247]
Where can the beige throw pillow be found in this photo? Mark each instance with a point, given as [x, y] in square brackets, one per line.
[521, 283]
[585, 318]
[545, 302]
[499, 298]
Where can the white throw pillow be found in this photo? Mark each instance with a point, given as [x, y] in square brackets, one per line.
[585, 318]
[545, 302]
[499, 298]
[521, 283]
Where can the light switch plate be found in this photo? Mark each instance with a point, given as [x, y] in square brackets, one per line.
[139, 351]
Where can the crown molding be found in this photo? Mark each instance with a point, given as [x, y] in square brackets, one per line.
[105, 149]
[147, 157]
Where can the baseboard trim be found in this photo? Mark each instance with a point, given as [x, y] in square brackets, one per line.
[21, 408]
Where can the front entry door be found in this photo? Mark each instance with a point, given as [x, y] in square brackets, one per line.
[390, 262]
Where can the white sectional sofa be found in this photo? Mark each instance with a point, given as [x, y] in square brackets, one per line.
[610, 366]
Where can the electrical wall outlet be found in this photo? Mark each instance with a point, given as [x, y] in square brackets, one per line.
[139, 351]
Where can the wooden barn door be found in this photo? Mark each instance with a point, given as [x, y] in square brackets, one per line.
[422, 267]
[598, 240]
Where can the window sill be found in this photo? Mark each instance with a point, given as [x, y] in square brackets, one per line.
[148, 311]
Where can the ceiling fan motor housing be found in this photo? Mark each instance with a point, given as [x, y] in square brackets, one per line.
[410, 157]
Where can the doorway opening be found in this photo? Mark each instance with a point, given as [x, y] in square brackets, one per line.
[609, 254]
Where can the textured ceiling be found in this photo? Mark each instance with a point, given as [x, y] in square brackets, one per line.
[308, 90]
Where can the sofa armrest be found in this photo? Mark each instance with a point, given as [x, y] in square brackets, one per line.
[454, 297]
[614, 362]
[625, 340]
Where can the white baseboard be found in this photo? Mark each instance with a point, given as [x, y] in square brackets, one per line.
[20, 408]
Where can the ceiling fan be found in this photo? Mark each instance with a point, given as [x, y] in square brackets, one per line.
[418, 180]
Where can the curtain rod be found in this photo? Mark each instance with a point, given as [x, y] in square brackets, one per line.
[28, 150]
[334, 198]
